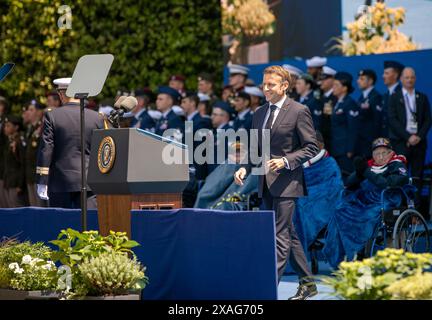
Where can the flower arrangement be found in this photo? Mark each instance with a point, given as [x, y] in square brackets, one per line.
[246, 22]
[382, 277]
[26, 266]
[89, 264]
[374, 31]
[99, 265]
[112, 273]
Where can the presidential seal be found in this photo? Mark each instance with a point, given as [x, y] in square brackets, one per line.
[106, 154]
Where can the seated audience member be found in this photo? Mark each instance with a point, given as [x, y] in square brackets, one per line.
[359, 212]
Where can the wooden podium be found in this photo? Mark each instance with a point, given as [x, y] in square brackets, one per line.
[133, 169]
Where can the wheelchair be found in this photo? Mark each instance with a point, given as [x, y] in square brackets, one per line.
[400, 228]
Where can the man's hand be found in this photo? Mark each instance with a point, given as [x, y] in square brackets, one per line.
[276, 164]
[42, 191]
[239, 176]
[414, 140]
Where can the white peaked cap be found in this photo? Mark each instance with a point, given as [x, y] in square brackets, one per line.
[329, 71]
[316, 62]
[62, 83]
[236, 68]
[293, 70]
[254, 91]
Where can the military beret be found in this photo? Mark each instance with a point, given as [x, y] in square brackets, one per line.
[224, 106]
[171, 92]
[243, 95]
[14, 120]
[206, 77]
[177, 77]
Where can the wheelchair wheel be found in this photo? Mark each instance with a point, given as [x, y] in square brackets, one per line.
[411, 232]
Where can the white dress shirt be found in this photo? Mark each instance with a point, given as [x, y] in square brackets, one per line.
[410, 107]
[279, 105]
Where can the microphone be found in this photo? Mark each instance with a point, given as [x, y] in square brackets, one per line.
[123, 107]
[119, 100]
[128, 104]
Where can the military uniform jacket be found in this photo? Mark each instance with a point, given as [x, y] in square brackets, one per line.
[315, 108]
[245, 123]
[385, 104]
[344, 127]
[31, 146]
[59, 156]
[13, 175]
[370, 121]
[171, 121]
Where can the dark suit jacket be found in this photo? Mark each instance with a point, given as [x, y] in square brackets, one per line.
[292, 136]
[397, 117]
[60, 147]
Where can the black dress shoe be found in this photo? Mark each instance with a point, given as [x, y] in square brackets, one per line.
[304, 292]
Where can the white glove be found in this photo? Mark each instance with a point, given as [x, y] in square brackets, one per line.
[42, 191]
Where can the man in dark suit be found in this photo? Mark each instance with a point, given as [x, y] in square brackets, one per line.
[289, 127]
[59, 157]
[391, 75]
[409, 122]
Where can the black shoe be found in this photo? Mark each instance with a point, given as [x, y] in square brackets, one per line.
[304, 292]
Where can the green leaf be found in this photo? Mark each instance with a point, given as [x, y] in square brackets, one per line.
[130, 244]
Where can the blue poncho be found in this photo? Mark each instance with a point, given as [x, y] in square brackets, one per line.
[313, 212]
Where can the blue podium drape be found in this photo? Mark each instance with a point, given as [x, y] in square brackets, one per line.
[189, 253]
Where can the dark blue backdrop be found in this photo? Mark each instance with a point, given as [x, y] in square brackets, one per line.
[420, 60]
[189, 253]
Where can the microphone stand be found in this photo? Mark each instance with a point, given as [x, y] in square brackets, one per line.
[82, 97]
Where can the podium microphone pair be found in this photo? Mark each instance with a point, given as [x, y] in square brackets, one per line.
[122, 109]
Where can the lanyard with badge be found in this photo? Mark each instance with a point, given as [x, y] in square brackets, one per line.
[412, 121]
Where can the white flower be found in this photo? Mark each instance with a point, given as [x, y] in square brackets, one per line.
[19, 270]
[13, 266]
[49, 266]
[26, 259]
[34, 261]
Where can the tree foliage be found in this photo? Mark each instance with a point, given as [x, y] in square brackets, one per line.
[150, 41]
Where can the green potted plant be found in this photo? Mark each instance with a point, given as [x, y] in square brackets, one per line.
[382, 277]
[100, 267]
[26, 271]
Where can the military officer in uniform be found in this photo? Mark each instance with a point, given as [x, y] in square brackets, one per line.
[314, 66]
[142, 113]
[305, 88]
[244, 117]
[328, 100]
[35, 113]
[59, 158]
[238, 75]
[13, 175]
[370, 102]
[344, 123]
[206, 86]
[221, 116]
[168, 97]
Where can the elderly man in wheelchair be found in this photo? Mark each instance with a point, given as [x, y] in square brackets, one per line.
[376, 204]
